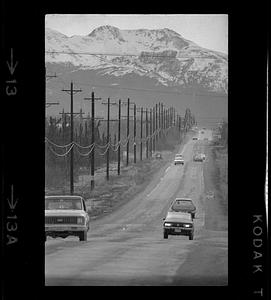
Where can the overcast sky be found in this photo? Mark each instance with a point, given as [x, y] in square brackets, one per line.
[207, 30]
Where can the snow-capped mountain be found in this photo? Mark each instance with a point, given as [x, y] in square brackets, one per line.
[162, 55]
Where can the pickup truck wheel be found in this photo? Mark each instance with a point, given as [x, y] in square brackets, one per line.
[191, 236]
[165, 235]
[83, 236]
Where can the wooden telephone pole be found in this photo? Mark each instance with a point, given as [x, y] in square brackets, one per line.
[108, 103]
[128, 128]
[71, 91]
[92, 154]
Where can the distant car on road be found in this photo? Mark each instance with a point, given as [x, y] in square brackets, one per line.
[178, 224]
[66, 215]
[199, 157]
[183, 205]
[158, 156]
[178, 159]
[195, 138]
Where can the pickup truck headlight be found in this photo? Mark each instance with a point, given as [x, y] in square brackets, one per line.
[80, 220]
[167, 224]
[187, 225]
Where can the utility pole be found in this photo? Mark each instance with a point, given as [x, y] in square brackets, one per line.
[71, 91]
[166, 119]
[151, 132]
[119, 132]
[63, 124]
[108, 135]
[92, 154]
[134, 133]
[108, 139]
[141, 110]
[154, 129]
[147, 134]
[159, 120]
[128, 127]
[162, 117]
[141, 131]
[156, 125]
[128, 122]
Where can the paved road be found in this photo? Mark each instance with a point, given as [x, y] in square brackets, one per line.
[127, 247]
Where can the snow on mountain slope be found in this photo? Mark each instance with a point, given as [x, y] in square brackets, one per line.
[161, 54]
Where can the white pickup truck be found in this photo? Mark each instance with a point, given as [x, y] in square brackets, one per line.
[65, 216]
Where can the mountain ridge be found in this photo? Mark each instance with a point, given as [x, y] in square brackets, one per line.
[162, 54]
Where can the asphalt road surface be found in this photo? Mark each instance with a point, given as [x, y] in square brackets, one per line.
[128, 248]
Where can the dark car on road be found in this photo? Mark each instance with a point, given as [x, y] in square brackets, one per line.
[178, 223]
[183, 205]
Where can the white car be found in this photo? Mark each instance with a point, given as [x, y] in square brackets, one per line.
[178, 159]
[65, 216]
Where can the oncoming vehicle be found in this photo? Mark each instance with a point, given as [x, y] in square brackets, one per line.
[199, 157]
[158, 156]
[178, 224]
[183, 205]
[178, 159]
[65, 216]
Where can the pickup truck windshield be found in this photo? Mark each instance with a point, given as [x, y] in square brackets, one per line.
[63, 204]
[182, 205]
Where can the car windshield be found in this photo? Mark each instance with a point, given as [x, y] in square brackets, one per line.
[63, 203]
[181, 205]
[178, 155]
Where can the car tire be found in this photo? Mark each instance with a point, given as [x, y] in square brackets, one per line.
[83, 236]
[191, 236]
[165, 235]
[193, 216]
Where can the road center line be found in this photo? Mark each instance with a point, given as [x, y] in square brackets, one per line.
[153, 189]
[167, 169]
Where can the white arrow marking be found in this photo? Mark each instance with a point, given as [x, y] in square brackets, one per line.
[12, 205]
[11, 67]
